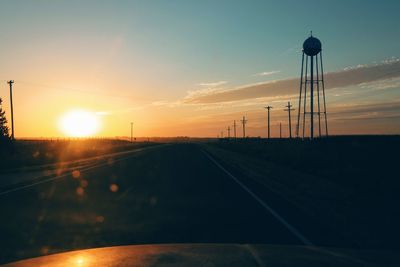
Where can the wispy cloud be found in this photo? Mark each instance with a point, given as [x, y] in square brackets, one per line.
[164, 103]
[190, 94]
[355, 67]
[159, 103]
[103, 113]
[212, 84]
[293, 49]
[390, 60]
[267, 73]
[355, 76]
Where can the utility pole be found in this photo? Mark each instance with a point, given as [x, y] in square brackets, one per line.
[229, 132]
[269, 132]
[244, 121]
[131, 132]
[222, 134]
[289, 108]
[234, 128]
[10, 82]
[280, 130]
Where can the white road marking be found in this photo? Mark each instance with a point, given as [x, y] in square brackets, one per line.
[291, 228]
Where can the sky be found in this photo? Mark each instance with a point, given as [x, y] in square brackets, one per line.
[190, 68]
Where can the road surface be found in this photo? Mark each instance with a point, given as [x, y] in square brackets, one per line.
[174, 193]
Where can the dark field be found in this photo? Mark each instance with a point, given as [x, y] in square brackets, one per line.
[350, 183]
[29, 153]
[339, 192]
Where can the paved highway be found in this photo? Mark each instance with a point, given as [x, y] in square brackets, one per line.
[175, 193]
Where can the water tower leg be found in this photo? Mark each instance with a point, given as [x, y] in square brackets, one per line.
[318, 93]
[323, 94]
[312, 97]
[301, 87]
[305, 98]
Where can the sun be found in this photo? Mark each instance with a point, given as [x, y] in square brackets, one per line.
[79, 123]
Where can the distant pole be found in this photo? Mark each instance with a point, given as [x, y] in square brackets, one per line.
[280, 130]
[10, 82]
[289, 108]
[229, 131]
[234, 128]
[269, 129]
[222, 134]
[131, 132]
[244, 126]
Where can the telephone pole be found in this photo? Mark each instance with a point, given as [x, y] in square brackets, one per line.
[131, 132]
[280, 130]
[229, 132]
[10, 82]
[244, 121]
[289, 108]
[234, 128]
[269, 132]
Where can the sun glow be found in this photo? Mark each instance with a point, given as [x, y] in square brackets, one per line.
[79, 123]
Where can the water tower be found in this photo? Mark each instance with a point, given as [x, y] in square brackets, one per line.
[311, 86]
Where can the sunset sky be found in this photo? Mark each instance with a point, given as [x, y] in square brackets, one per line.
[190, 68]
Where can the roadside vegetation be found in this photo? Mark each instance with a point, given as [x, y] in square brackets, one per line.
[22, 154]
[4, 131]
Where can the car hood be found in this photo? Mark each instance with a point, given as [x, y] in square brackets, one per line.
[214, 255]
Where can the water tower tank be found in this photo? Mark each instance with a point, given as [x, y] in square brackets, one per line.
[312, 46]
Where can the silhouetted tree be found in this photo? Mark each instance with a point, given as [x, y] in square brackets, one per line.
[4, 131]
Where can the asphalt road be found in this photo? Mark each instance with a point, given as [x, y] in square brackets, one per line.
[167, 194]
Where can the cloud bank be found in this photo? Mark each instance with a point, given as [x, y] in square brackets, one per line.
[348, 77]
